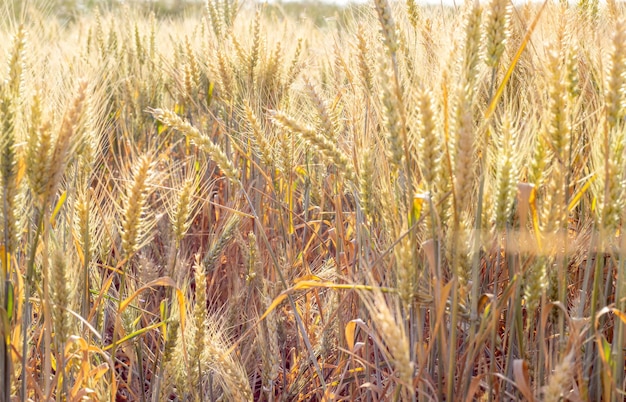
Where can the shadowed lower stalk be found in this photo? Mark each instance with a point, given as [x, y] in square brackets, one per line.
[84, 216]
[8, 218]
[28, 285]
[619, 344]
[292, 304]
[6, 293]
[515, 316]
[593, 360]
[454, 313]
[6, 330]
[173, 253]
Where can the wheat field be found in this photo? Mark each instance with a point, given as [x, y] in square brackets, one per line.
[384, 202]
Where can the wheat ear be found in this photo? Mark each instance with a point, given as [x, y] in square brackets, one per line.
[172, 120]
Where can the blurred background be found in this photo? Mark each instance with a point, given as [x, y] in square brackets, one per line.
[319, 10]
[322, 11]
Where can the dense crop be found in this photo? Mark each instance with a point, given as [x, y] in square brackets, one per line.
[395, 203]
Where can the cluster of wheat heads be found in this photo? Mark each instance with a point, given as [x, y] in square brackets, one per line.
[402, 203]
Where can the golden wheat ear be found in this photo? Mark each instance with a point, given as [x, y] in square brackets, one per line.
[172, 120]
[136, 225]
[329, 150]
[64, 145]
[496, 30]
[263, 145]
